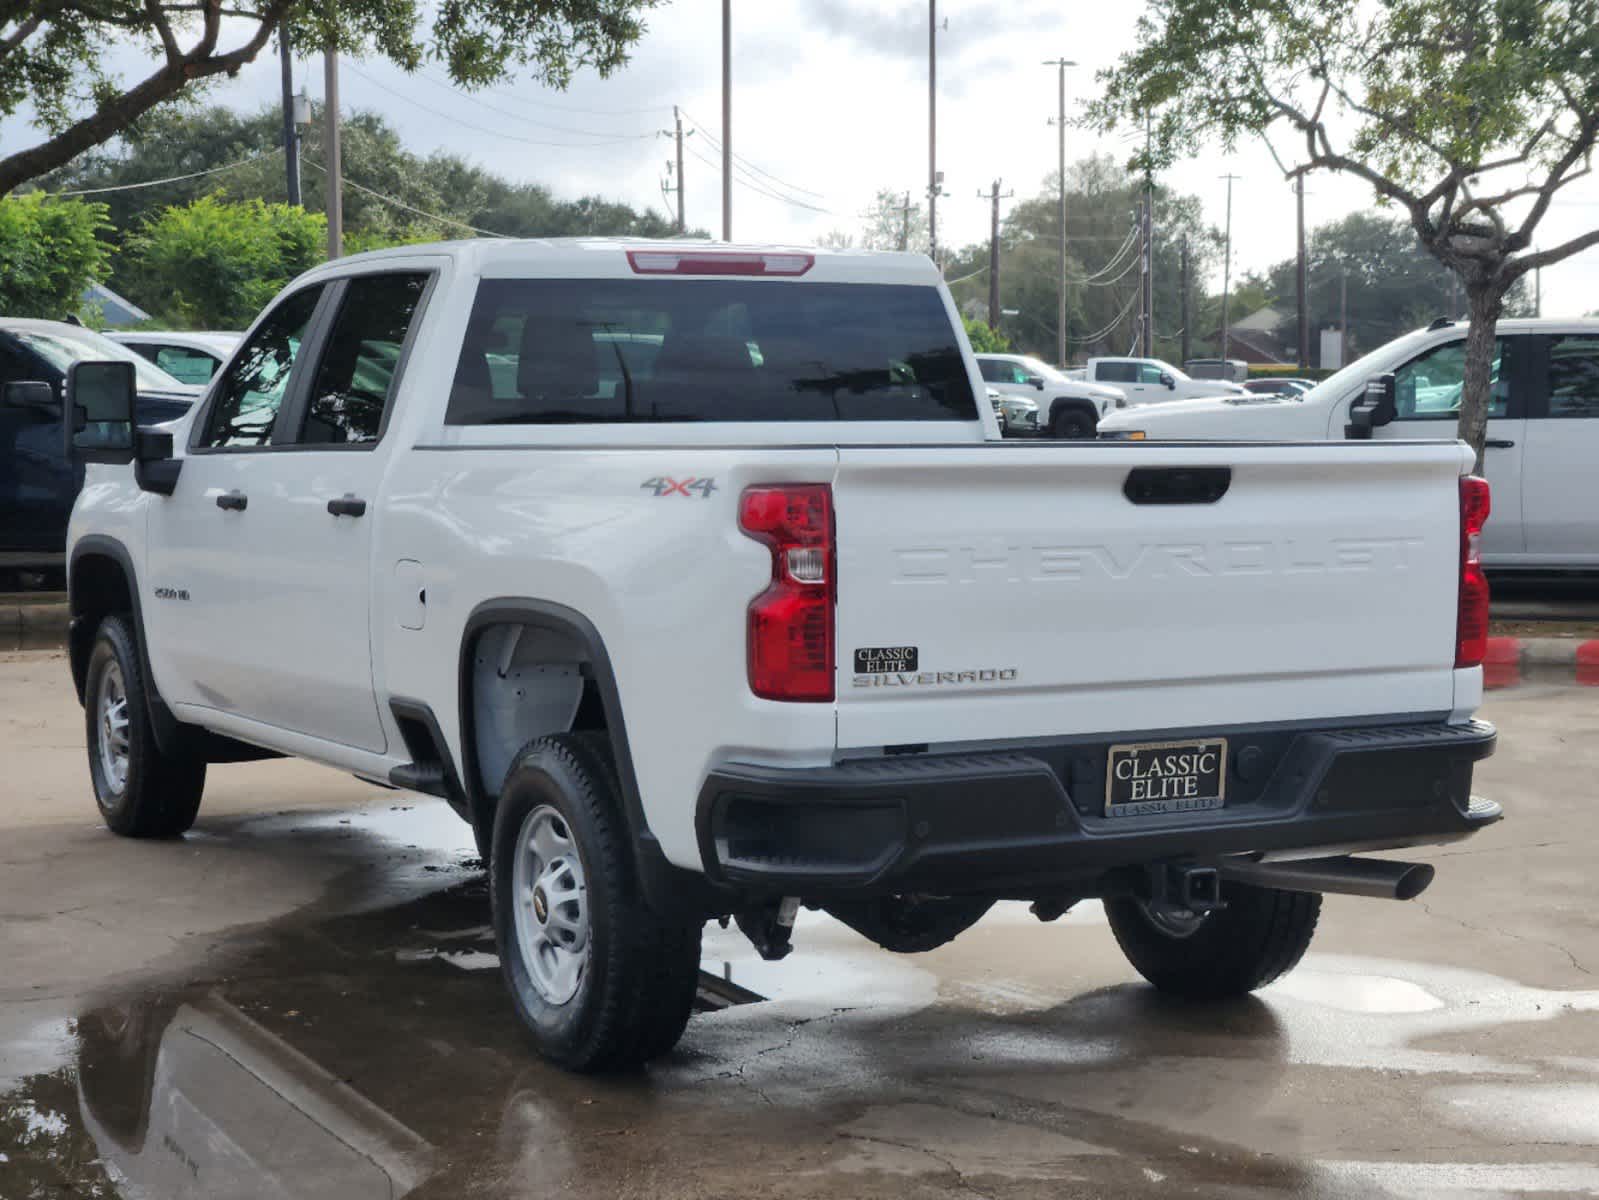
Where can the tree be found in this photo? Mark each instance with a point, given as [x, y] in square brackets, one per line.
[52, 52]
[215, 264]
[985, 339]
[1469, 116]
[51, 251]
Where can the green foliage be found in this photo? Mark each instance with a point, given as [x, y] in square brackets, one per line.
[50, 251]
[214, 264]
[984, 338]
[56, 55]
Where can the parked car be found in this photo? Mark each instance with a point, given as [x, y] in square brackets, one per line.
[1274, 385]
[997, 403]
[192, 357]
[1017, 415]
[1063, 407]
[1234, 369]
[1150, 381]
[1543, 427]
[37, 483]
[773, 620]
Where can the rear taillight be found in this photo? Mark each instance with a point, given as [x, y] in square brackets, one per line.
[791, 622]
[1471, 626]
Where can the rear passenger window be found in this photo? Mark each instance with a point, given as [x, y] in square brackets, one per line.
[246, 401]
[1574, 377]
[1118, 372]
[354, 384]
[553, 351]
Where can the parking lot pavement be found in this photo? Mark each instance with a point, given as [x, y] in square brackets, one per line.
[300, 999]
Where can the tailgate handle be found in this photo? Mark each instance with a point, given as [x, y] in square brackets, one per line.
[1177, 485]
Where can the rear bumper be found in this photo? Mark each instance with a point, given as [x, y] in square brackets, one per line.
[1019, 822]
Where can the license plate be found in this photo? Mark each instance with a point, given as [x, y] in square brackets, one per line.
[1165, 777]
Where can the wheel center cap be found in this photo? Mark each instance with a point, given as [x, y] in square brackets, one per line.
[541, 906]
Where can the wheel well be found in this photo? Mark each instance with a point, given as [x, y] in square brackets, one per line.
[1073, 403]
[98, 586]
[523, 682]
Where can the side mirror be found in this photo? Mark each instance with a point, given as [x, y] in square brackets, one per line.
[33, 395]
[1167, 381]
[1037, 381]
[99, 425]
[1374, 409]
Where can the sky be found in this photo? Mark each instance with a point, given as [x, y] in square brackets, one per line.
[829, 105]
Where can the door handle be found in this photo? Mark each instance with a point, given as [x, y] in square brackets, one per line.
[347, 505]
[233, 501]
[1499, 443]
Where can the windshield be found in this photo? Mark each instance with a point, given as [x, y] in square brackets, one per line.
[1176, 373]
[61, 349]
[1364, 367]
[586, 350]
[1039, 367]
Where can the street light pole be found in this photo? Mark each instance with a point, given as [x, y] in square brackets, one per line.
[331, 156]
[291, 135]
[1227, 267]
[1060, 128]
[727, 120]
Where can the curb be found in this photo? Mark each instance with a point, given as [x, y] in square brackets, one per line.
[36, 617]
[1508, 657]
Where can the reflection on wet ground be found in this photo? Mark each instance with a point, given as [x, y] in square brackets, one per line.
[371, 1053]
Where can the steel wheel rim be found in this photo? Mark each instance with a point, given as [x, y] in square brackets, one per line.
[111, 714]
[1173, 922]
[549, 897]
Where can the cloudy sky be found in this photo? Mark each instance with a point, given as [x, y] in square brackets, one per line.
[830, 104]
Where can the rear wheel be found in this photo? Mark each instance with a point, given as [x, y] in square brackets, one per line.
[600, 980]
[142, 790]
[1259, 935]
[1072, 424]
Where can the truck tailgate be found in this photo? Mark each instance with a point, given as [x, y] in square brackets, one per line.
[1011, 591]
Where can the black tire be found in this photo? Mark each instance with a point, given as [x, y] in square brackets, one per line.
[641, 972]
[1261, 934]
[160, 793]
[1072, 425]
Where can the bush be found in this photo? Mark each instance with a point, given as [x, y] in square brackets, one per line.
[985, 339]
[215, 264]
[50, 251]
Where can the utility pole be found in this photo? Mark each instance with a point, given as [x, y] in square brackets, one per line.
[1182, 296]
[1147, 259]
[1537, 289]
[1301, 285]
[905, 223]
[1227, 264]
[1060, 64]
[994, 198]
[677, 118]
[291, 135]
[1343, 316]
[333, 162]
[727, 121]
[932, 130]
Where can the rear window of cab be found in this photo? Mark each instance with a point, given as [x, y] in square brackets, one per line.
[573, 351]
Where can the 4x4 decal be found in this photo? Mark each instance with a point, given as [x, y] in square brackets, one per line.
[663, 485]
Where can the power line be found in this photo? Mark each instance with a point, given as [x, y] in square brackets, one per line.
[1115, 321]
[964, 278]
[607, 141]
[505, 112]
[128, 187]
[520, 98]
[376, 195]
[755, 187]
[739, 158]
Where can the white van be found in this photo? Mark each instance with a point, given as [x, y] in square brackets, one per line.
[1543, 428]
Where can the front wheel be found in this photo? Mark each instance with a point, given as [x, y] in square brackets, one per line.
[1259, 935]
[1072, 425]
[142, 790]
[600, 980]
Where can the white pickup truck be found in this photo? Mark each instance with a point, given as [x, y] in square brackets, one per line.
[1151, 381]
[698, 580]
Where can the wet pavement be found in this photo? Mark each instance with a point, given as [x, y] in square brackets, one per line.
[306, 1003]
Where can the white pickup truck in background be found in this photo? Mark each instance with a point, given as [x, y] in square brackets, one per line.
[1543, 427]
[697, 578]
[1152, 381]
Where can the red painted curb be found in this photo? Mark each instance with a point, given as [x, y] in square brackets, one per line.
[1588, 664]
[1501, 663]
